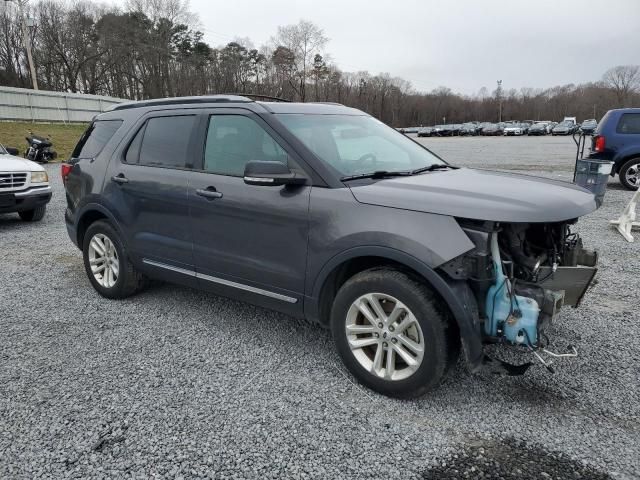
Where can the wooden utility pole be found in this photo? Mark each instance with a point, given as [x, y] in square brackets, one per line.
[26, 40]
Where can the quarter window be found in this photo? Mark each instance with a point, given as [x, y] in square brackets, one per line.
[95, 138]
[629, 123]
[234, 140]
[162, 142]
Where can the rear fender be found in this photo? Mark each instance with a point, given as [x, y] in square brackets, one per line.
[624, 155]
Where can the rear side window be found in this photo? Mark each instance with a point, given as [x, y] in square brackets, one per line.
[629, 123]
[95, 138]
[162, 142]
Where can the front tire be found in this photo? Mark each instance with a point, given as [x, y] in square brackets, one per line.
[630, 174]
[107, 263]
[391, 333]
[34, 215]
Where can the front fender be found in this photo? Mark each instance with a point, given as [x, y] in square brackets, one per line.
[456, 294]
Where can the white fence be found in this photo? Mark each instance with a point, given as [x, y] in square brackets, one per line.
[41, 105]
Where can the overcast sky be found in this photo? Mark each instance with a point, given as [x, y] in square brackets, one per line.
[462, 44]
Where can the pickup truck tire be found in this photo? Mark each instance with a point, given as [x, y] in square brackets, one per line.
[107, 263]
[34, 215]
[630, 172]
[391, 332]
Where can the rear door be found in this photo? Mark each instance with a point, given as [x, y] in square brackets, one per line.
[249, 241]
[147, 186]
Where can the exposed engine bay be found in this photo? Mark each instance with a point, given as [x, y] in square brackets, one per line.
[521, 274]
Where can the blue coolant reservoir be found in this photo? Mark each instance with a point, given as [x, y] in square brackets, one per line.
[516, 315]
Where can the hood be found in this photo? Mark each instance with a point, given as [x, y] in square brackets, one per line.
[9, 163]
[481, 195]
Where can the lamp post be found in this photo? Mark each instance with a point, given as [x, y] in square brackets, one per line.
[26, 39]
[499, 94]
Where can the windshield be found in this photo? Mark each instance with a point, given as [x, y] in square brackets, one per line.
[3, 151]
[355, 145]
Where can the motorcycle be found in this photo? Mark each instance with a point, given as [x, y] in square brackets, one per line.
[39, 149]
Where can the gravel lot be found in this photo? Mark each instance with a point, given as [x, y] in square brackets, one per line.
[179, 383]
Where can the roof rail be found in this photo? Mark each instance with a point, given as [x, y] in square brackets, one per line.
[328, 103]
[183, 101]
[265, 97]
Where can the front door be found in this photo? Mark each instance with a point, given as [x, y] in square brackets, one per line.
[249, 241]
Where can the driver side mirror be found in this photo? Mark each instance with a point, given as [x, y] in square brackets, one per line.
[12, 151]
[270, 174]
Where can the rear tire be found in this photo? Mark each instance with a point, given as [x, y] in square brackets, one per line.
[34, 215]
[107, 263]
[412, 322]
[629, 174]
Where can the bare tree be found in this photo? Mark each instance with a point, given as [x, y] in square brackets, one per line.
[304, 40]
[623, 80]
[153, 48]
[176, 11]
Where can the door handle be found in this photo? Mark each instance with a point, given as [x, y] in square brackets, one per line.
[209, 193]
[120, 179]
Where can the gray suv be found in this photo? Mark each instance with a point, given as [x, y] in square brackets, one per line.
[323, 212]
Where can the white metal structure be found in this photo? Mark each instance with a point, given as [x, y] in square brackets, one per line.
[43, 105]
[627, 220]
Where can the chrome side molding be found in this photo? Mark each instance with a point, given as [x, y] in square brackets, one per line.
[221, 281]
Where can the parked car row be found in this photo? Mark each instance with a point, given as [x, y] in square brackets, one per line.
[568, 126]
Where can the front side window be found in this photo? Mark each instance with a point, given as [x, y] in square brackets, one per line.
[95, 138]
[629, 123]
[234, 140]
[358, 144]
[162, 142]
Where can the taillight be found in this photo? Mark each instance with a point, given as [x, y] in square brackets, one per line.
[65, 170]
[600, 144]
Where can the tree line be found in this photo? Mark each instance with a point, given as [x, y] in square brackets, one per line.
[155, 48]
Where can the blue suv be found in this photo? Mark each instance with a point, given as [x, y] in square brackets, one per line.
[617, 139]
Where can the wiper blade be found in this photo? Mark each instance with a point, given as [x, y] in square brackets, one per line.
[376, 174]
[430, 168]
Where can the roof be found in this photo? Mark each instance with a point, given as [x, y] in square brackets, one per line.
[271, 106]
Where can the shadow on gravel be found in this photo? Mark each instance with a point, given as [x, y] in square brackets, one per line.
[511, 459]
[8, 219]
[616, 185]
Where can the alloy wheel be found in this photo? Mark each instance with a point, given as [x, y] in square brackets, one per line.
[632, 175]
[103, 259]
[384, 336]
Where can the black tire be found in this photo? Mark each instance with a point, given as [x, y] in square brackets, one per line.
[34, 215]
[431, 316]
[129, 280]
[623, 172]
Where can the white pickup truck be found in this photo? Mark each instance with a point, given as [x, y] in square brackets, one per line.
[24, 187]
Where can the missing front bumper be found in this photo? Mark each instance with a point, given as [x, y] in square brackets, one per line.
[574, 281]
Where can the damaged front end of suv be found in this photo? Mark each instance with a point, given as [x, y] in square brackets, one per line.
[521, 274]
[511, 259]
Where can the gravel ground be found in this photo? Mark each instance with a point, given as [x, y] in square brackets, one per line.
[179, 383]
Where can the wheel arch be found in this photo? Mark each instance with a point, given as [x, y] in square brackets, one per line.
[456, 295]
[89, 214]
[623, 157]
